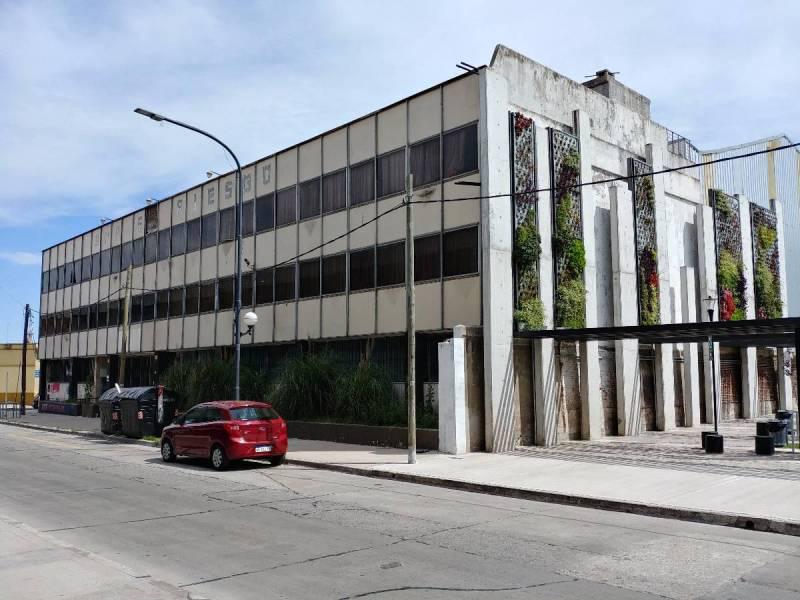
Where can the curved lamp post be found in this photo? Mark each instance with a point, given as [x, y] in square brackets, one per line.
[237, 306]
[714, 446]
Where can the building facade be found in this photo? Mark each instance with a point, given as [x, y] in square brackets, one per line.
[500, 247]
[11, 373]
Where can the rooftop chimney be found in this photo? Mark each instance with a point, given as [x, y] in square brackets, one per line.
[605, 82]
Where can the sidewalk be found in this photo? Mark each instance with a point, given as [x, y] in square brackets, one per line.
[656, 474]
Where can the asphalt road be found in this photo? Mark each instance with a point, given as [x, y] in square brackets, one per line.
[82, 518]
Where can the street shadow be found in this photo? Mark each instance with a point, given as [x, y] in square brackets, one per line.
[202, 464]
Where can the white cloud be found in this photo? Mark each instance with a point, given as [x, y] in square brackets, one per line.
[22, 258]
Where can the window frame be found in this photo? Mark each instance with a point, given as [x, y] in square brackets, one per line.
[260, 276]
[315, 287]
[330, 257]
[340, 173]
[418, 181]
[191, 245]
[212, 295]
[162, 235]
[379, 271]
[209, 226]
[304, 188]
[379, 192]
[285, 191]
[422, 239]
[175, 301]
[357, 253]
[180, 227]
[225, 214]
[457, 230]
[188, 310]
[350, 188]
[275, 283]
[264, 200]
[454, 130]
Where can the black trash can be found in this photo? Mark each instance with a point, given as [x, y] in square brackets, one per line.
[765, 445]
[777, 429]
[762, 428]
[788, 417]
[140, 415]
[110, 421]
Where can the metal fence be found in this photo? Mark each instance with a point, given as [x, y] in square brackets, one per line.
[9, 410]
[679, 145]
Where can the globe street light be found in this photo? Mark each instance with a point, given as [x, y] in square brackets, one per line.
[237, 306]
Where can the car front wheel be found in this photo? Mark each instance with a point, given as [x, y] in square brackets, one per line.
[219, 460]
[167, 452]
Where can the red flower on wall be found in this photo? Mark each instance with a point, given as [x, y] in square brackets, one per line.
[727, 306]
[652, 279]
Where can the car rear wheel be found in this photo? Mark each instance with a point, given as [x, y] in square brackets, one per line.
[276, 461]
[219, 460]
[167, 451]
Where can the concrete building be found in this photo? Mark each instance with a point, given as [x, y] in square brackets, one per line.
[11, 373]
[324, 259]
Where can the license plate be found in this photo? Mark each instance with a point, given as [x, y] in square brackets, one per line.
[263, 449]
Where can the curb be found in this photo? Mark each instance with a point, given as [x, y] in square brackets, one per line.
[88, 434]
[751, 523]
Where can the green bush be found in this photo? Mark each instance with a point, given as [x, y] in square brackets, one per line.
[767, 291]
[528, 244]
[304, 386]
[364, 395]
[575, 257]
[570, 304]
[196, 381]
[530, 314]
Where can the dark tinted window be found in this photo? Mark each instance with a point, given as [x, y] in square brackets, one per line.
[460, 251]
[84, 318]
[309, 278]
[136, 309]
[163, 244]
[227, 224]
[264, 286]
[69, 274]
[285, 207]
[334, 191]
[208, 293]
[225, 293]
[176, 302]
[284, 283]
[193, 235]
[116, 259]
[391, 264]
[334, 274]
[248, 217]
[126, 260]
[362, 269]
[52, 279]
[138, 252]
[195, 415]
[77, 267]
[247, 289]
[192, 299]
[95, 269]
[45, 281]
[425, 162]
[102, 314]
[253, 413]
[212, 415]
[162, 304]
[92, 308]
[210, 230]
[427, 258]
[113, 313]
[151, 248]
[151, 218]
[391, 173]
[362, 183]
[178, 244]
[265, 212]
[75, 320]
[148, 307]
[460, 151]
[105, 263]
[308, 198]
[86, 269]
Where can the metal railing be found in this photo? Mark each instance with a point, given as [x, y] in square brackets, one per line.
[9, 410]
[680, 146]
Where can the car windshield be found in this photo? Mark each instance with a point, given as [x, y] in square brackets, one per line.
[253, 413]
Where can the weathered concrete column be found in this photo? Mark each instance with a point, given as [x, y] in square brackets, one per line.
[707, 258]
[785, 400]
[591, 401]
[497, 279]
[664, 359]
[626, 309]
[546, 383]
[691, 367]
[749, 356]
[453, 394]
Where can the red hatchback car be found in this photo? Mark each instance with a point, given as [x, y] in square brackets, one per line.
[226, 431]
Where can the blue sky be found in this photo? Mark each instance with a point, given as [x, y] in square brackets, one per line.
[264, 75]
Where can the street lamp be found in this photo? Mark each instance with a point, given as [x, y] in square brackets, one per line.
[714, 446]
[237, 306]
[250, 320]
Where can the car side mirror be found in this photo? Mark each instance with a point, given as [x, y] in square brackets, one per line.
[178, 420]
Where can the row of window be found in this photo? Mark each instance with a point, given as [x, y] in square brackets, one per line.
[450, 254]
[451, 154]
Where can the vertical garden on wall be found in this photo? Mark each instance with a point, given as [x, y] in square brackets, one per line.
[644, 211]
[766, 263]
[731, 282]
[529, 311]
[568, 248]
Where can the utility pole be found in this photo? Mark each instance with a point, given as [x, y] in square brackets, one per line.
[411, 328]
[126, 321]
[24, 359]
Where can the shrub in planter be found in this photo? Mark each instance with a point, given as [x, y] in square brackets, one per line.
[570, 304]
[364, 395]
[528, 244]
[304, 386]
[530, 314]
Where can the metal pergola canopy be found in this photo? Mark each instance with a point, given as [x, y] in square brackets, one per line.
[767, 333]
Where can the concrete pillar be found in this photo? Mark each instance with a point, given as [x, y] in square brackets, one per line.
[664, 360]
[785, 401]
[453, 394]
[591, 401]
[707, 258]
[749, 356]
[691, 367]
[626, 307]
[546, 383]
[496, 250]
